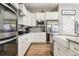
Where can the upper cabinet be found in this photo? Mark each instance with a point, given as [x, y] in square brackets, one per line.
[51, 16]
[23, 19]
[15, 5]
[47, 15]
[33, 19]
[29, 21]
[40, 16]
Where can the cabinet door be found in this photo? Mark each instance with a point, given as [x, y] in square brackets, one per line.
[72, 53]
[57, 51]
[33, 19]
[51, 15]
[37, 37]
[32, 37]
[29, 19]
[21, 46]
[43, 37]
[74, 47]
[60, 50]
[40, 16]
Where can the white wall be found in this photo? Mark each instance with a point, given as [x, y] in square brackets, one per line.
[66, 22]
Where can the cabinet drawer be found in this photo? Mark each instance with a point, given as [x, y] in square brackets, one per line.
[72, 53]
[60, 49]
[74, 47]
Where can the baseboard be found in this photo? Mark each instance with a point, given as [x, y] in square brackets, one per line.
[52, 53]
[27, 49]
[39, 43]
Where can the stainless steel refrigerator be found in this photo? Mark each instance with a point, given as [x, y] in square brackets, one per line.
[52, 26]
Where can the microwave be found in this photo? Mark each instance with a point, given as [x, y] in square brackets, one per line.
[40, 22]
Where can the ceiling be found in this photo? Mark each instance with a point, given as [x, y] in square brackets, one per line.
[37, 7]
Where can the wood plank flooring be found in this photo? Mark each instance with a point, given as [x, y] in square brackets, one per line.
[39, 49]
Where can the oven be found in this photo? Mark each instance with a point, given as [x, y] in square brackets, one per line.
[8, 21]
[8, 46]
[8, 30]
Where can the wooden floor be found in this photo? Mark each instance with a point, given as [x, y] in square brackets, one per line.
[39, 50]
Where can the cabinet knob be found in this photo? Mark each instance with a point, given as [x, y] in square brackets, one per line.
[58, 48]
[76, 49]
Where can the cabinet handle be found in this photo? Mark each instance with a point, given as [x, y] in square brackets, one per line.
[58, 48]
[74, 55]
[76, 49]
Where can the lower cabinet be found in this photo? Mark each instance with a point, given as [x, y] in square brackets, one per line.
[38, 37]
[43, 37]
[23, 44]
[72, 53]
[25, 40]
[72, 48]
[60, 50]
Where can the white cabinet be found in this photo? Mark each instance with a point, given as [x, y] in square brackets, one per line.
[74, 49]
[60, 50]
[61, 46]
[23, 44]
[43, 37]
[33, 19]
[38, 37]
[72, 53]
[23, 19]
[40, 16]
[51, 15]
[29, 18]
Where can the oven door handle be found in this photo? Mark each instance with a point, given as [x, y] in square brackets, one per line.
[5, 41]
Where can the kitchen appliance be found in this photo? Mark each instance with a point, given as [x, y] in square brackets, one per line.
[40, 22]
[8, 22]
[23, 29]
[51, 27]
[8, 30]
[8, 47]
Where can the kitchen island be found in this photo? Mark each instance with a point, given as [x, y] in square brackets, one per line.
[65, 45]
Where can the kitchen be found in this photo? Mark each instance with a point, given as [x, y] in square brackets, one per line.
[40, 29]
[37, 18]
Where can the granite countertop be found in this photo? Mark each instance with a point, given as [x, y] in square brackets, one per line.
[22, 34]
[73, 39]
[6, 35]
